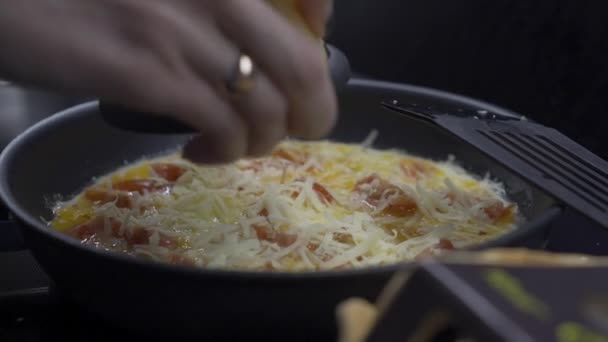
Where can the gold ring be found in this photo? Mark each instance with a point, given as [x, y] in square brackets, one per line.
[240, 79]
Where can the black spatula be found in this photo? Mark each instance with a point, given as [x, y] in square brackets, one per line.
[542, 155]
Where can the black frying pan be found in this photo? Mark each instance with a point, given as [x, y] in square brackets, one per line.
[60, 155]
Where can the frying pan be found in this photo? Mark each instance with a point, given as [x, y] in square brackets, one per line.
[61, 154]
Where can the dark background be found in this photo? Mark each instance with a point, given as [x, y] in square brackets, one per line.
[546, 59]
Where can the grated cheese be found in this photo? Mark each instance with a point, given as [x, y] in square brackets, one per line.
[316, 214]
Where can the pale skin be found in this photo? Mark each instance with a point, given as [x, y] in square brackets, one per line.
[172, 56]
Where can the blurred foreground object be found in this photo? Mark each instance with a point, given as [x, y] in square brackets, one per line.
[496, 295]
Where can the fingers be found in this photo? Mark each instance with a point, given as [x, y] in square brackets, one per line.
[292, 61]
[223, 133]
[263, 109]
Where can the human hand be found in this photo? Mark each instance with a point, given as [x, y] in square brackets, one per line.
[165, 56]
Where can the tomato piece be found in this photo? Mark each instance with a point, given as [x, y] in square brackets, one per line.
[285, 239]
[85, 230]
[451, 197]
[375, 193]
[344, 238]
[141, 236]
[137, 236]
[102, 196]
[168, 171]
[415, 168]
[139, 185]
[122, 193]
[168, 241]
[496, 211]
[312, 246]
[367, 180]
[442, 245]
[92, 227]
[400, 206]
[322, 192]
[290, 155]
[181, 260]
[445, 244]
[262, 232]
[267, 234]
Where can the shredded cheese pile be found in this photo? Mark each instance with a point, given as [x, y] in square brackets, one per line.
[309, 206]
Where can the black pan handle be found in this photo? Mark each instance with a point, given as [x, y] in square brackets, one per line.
[141, 122]
[10, 237]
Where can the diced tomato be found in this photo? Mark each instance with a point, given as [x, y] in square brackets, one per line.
[312, 169]
[415, 168]
[168, 241]
[181, 260]
[445, 244]
[138, 236]
[85, 230]
[141, 236]
[367, 180]
[267, 234]
[326, 257]
[285, 239]
[322, 192]
[168, 171]
[101, 195]
[93, 227]
[442, 245]
[401, 204]
[375, 193]
[496, 211]
[262, 232]
[121, 191]
[451, 197]
[290, 155]
[139, 185]
[344, 238]
[312, 246]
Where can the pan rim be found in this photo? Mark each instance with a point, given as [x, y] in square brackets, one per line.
[12, 150]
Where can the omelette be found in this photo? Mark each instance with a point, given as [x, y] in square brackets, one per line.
[307, 206]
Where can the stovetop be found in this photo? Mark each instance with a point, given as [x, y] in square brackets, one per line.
[31, 309]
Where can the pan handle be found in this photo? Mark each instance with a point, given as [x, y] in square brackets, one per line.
[11, 239]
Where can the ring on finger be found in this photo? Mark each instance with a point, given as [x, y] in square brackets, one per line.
[241, 76]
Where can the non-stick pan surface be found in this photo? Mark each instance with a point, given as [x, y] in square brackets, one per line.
[61, 155]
